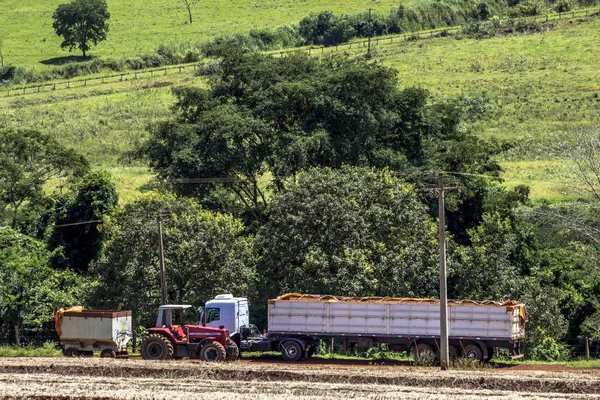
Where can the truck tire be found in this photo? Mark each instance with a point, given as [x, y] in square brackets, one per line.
[233, 351]
[71, 352]
[108, 353]
[291, 350]
[473, 352]
[157, 347]
[213, 352]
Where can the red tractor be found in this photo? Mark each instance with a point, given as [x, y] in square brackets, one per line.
[168, 341]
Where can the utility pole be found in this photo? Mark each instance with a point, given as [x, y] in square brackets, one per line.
[369, 41]
[163, 279]
[444, 356]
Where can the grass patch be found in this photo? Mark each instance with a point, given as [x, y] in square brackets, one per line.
[139, 27]
[46, 350]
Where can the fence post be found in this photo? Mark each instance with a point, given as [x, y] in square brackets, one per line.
[17, 335]
[331, 348]
[38, 89]
[134, 342]
[587, 348]
[54, 88]
[165, 71]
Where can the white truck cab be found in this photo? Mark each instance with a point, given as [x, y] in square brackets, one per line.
[226, 311]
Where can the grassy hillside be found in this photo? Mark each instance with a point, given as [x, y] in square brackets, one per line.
[529, 87]
[138, 27]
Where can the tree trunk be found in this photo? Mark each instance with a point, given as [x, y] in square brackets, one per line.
[83, 53]
[190, 13]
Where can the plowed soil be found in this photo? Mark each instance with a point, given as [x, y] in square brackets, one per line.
[60, 378]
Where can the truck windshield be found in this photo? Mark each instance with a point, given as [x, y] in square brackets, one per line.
[213, 314]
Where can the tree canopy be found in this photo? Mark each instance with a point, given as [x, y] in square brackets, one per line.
[28, 160]
[262, 115]
[81, 23]
[352, 231]
[79, 215]
[31, 290]
[206, 253]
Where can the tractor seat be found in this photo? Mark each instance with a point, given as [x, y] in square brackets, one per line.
[178, 332]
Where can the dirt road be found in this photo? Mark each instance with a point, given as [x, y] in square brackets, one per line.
[59, 378]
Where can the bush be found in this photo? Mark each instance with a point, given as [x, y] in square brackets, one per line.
[426, 359]
[548, 349]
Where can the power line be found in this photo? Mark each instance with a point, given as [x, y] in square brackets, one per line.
[96, 221]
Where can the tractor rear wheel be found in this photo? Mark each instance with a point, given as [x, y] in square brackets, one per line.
[157, 347]
[213, 352]
[233, 351]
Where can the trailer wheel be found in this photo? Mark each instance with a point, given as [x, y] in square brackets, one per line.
[473, 352]
[453, 352]
[157, 347]
[233, 351]
[490, 353]
[71, 352]
[108, 353]
[291, 350]
[421, 349]
[213, 352]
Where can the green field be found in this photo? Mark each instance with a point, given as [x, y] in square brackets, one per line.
[138, 27]
[532, 87]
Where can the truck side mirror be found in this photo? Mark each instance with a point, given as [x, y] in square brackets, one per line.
[202, 317]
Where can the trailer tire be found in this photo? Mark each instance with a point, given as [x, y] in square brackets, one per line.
[233, 351]
[157, 347]
[71, 352]
[490, 351]
[473, 352]
[420, 349]
[108, 353]
[291, 350]
[453, 352]
[213, 352]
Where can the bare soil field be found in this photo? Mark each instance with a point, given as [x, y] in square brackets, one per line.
[61, 378]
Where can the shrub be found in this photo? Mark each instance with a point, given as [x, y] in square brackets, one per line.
[426, 359]
[548, 349]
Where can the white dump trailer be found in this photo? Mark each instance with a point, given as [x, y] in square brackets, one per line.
[86, 331]
[296, 323]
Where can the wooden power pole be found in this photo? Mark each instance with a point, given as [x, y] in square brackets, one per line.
[444, 355]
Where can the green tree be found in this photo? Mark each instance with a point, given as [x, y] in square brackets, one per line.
[81, 23]
[28, 160]
[206, 253]
[264, 116]
[95, 197]
[30, 289]
[352, 231]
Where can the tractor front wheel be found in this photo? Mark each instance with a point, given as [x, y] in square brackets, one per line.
[213, 352]
[157, 347]
[233, 351]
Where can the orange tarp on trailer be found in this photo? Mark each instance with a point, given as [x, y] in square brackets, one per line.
[58, 317]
